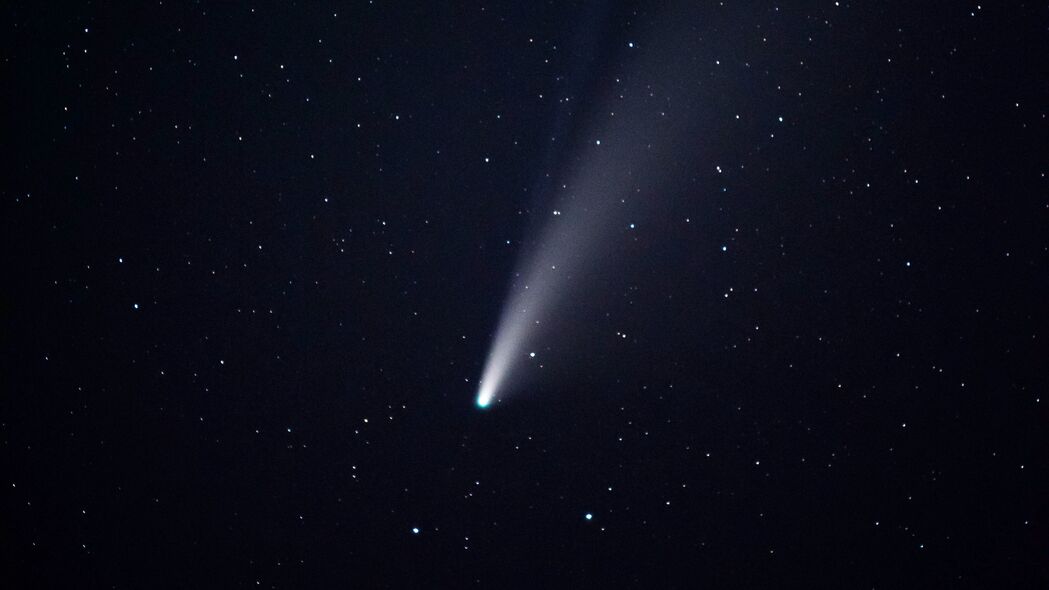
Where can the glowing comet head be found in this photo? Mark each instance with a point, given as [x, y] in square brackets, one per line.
[486, 393]
[492, 382]
[496, 368]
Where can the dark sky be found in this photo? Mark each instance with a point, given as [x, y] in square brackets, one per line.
[256, 256]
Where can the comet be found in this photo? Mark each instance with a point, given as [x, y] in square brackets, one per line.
[615, 176]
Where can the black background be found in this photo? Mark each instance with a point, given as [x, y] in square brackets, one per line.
[319, 254]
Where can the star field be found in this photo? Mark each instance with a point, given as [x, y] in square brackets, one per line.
[258, 254]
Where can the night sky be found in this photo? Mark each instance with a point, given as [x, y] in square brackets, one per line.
[258, 256]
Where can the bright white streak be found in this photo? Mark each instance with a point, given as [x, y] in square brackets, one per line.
[565, 252]
[630, 136]
[593, 207]
[511, 337]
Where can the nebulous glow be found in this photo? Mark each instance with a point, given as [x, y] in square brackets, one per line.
[615, 171]
[484, 397]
